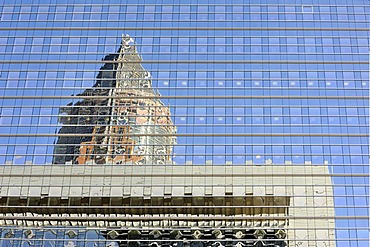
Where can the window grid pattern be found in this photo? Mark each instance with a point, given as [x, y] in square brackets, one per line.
[268, 83]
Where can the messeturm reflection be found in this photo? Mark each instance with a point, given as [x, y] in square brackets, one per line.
[120, 120]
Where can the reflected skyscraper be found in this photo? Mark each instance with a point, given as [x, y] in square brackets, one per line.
[120, 121]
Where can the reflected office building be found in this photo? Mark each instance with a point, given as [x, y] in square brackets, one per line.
[121, 120]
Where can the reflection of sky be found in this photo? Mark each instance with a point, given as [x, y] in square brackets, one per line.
[210, 90]
[235, 110]
[51, 237]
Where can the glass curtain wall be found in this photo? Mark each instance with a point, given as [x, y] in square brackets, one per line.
[282, 83]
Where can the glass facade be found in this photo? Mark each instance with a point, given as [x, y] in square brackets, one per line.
[268, 83]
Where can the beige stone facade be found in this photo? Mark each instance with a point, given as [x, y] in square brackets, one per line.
[297, 199]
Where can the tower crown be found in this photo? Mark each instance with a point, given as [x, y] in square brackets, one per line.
[132, 125]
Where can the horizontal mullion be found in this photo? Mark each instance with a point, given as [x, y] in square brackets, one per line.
[215, 45]
[192, 79]
[181, 62]
[190, 28]
[189, 125]
[199, 70]
[189, 241]
[197, 106]
[181, 44]
[200, 4]
[204, 155]
[193, 241]
[173, 207]
[213, 241]
[205, 124]
[73, 45]
[182, 88]
[331, 186]
[138, 218]
[164, 228]
[185, 97]
[196, 115]
[195, 20]
[188, 12]
[198, 144]
[324, 35]
[186, 135]
[327, 186]
[213, 53]
[186, 155]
